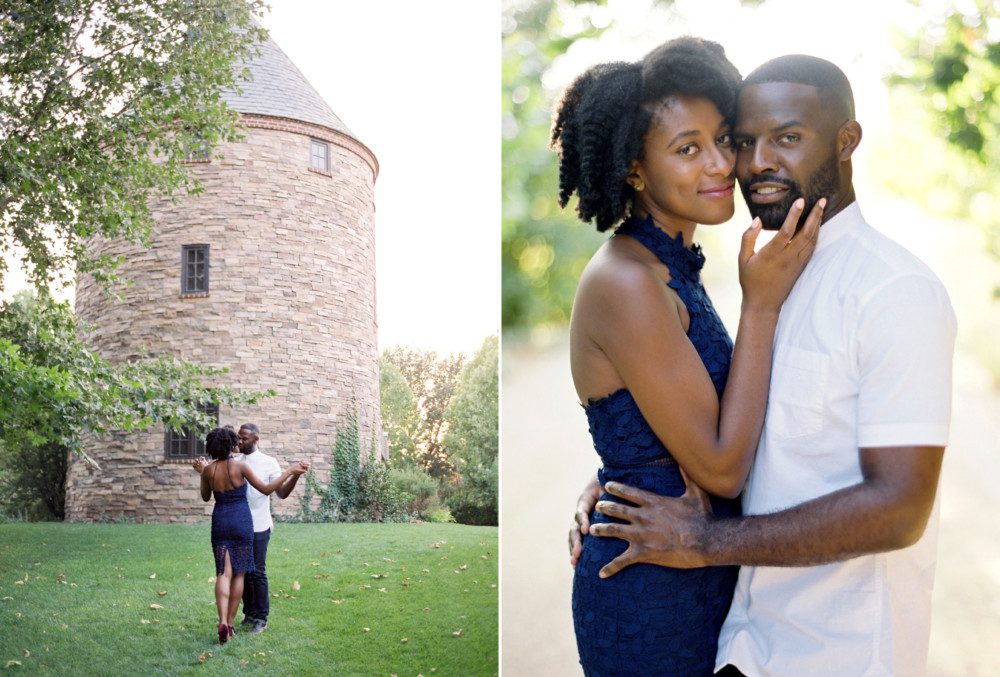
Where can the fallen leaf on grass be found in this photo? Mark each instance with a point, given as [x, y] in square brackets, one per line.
[162, 593]
[321, 577]
[404, 640]
[63, 627]
[8, 599]
[337, 601]
[435, 544]
[211, 579]
[493, 585]
[17, 614]
[143, 621]
[152, 576]
[366, 629]
[244, 661]
[427, 609]
[296, 586]
[72, 585]
[27, 653]
[426, 571]
[155, 607]
[387, 559]
[13, 664]
[381, 589]
[457, 633]
[464, 567]
[275, 595]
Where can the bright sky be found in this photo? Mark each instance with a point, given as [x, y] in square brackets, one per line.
[419, 84]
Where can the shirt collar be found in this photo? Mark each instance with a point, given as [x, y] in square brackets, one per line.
[847, 220]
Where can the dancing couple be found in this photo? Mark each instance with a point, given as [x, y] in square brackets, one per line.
[241, 521]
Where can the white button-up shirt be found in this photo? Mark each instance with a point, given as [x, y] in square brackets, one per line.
[267, 470]
[862, 358]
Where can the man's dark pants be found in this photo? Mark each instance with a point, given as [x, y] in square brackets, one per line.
[256, 600]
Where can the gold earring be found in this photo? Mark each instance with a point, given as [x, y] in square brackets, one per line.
[637, 185]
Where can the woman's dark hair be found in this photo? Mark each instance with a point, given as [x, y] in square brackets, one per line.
[219, 443]
[602, 119]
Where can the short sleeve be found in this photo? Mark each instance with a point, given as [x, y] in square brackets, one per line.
[273, 469]
[905, 347]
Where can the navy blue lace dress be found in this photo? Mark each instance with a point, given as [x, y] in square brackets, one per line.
[232, 530]
[646, 619]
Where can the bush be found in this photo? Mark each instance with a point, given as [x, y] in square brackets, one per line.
[417, 491]
[355, 493]
[440, 516]
[378, 500]
[474, 500]
[33, 481]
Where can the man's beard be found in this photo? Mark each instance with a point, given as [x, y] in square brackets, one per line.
[823, 183]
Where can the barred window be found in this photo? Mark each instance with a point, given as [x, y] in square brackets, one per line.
[319, 155]
[194, 269]
[188, 443]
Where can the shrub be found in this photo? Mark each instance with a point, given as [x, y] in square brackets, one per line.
[417, 490]
[355, 493]
[440, 515]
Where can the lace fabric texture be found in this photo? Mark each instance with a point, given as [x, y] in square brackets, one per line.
[232, 530]
[646, 619]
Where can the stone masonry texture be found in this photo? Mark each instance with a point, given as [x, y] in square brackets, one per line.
[291, 306]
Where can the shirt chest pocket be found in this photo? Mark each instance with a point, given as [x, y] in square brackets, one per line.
[796, 404]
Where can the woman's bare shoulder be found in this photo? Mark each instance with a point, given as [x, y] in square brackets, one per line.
[620, 270]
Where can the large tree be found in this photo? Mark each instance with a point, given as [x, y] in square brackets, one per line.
[101, 101]
[400, 417]
[472, 440]
[54, 391]
[432, 380]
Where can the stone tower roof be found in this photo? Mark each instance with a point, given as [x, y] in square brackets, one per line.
[276, 87]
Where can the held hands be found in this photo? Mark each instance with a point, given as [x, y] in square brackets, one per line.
[300, 468]
[767, 276]
[663, 530]
[581, 522]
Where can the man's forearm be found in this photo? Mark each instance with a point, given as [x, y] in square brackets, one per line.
[854, 521]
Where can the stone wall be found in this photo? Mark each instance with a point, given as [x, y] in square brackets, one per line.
[291, 306]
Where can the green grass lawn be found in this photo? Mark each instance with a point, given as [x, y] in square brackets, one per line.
[346, 599]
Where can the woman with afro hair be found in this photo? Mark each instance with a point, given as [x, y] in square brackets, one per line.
[232, 526]
[647, 149]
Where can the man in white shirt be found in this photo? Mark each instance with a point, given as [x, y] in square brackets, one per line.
[256, 596]
[838, 544]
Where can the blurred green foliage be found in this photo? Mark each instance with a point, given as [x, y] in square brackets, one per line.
[950, 69]
[544, 249]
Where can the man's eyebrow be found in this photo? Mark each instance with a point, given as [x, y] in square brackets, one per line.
[773, 130]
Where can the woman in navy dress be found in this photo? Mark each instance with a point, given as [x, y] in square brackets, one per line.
[648, 147]
[232, 527]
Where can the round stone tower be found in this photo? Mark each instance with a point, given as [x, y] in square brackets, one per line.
[269, 272]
